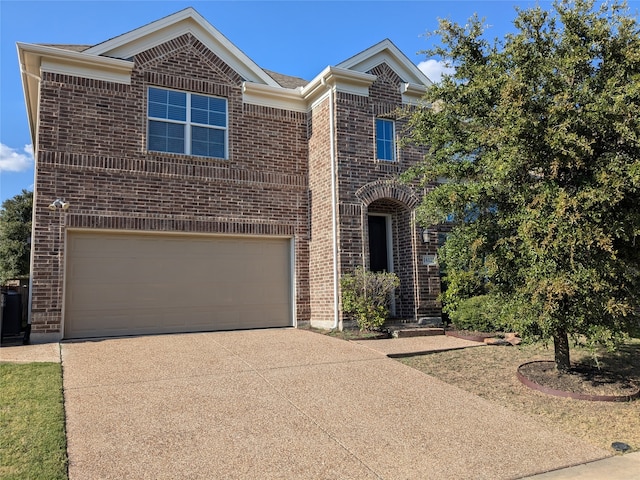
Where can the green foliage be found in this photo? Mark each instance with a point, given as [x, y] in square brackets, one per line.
[15, 232]
[365, 295]
[538, 138]
[480, 313]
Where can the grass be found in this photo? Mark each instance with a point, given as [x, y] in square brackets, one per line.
[32, 444]
[490, 372]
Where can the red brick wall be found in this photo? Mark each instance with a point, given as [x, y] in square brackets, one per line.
[358, 169]
[321, 265]
[92, 152]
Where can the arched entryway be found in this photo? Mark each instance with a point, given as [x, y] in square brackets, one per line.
[389, 245]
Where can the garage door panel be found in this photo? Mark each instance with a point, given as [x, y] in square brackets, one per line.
[118, 284]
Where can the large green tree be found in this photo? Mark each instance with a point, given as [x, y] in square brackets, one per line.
[15, 235]
[534, 143]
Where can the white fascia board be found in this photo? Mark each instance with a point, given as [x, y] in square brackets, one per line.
[387, 52]
[85, 70]
[39, 58]
[30, 75]
[276, 97]
[341, 80]
[173, 26]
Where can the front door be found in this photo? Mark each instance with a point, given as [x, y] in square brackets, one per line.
[378, 244]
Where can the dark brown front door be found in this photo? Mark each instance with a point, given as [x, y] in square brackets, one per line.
[378, 258]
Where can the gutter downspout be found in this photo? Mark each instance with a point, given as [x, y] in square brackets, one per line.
[334, 214]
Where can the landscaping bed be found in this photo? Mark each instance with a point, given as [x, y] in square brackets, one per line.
[582, 382]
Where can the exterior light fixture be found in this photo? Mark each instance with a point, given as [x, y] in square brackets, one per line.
[424, 235]
[57, 203]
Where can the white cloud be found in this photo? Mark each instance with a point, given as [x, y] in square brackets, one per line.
[11, 160]
[435, 69]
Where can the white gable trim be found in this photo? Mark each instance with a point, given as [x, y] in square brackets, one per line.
[387, 52]
[173, 26]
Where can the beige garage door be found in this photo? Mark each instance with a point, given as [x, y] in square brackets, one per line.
[128, 284]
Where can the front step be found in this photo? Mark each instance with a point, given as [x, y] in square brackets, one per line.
[413, 330]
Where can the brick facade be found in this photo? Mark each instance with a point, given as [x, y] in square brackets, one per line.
[91, 150]
[370, 186]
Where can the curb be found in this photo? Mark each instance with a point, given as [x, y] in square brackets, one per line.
[577, 396]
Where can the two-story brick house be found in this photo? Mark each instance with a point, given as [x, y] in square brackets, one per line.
[180, 187]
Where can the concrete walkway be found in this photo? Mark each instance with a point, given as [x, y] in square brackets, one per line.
[286, 403]
[45, 352]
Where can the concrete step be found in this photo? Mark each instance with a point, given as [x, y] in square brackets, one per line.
[413, 330]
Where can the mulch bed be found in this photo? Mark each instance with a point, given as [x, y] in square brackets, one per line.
[583, 382]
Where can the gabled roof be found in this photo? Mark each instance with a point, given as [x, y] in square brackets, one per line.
[170, 27]
[387, 52]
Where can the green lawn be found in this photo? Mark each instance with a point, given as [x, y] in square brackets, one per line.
[32, 443]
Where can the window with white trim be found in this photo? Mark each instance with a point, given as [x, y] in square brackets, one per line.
[385, 140]
[182, 122]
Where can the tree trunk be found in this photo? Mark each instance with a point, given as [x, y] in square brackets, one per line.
[561, 348]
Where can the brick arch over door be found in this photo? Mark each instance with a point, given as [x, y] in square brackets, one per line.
[387, 188]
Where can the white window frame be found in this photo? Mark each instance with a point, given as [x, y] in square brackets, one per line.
[393, 140]
[188, 123]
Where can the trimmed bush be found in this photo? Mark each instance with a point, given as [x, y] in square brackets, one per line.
[479, 314]
[365, 296]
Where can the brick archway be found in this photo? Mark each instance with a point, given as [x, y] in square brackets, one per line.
[388, 237]
[387, 188]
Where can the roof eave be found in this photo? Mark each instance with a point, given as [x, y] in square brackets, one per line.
[277, 97]
[341, 80]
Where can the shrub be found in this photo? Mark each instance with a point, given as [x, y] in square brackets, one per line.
[480, 314]
[365, 296]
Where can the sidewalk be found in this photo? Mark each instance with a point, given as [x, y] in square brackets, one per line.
[46, 352]
[620, 467]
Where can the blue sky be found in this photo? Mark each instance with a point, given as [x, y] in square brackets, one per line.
[298, 38]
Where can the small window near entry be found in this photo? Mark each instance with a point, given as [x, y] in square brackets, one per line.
[182, 122]
[385, 140]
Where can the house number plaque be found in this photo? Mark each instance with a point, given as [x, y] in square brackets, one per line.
[429, 260]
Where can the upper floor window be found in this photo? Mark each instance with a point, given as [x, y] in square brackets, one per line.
[385, 140]
[181, 122]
